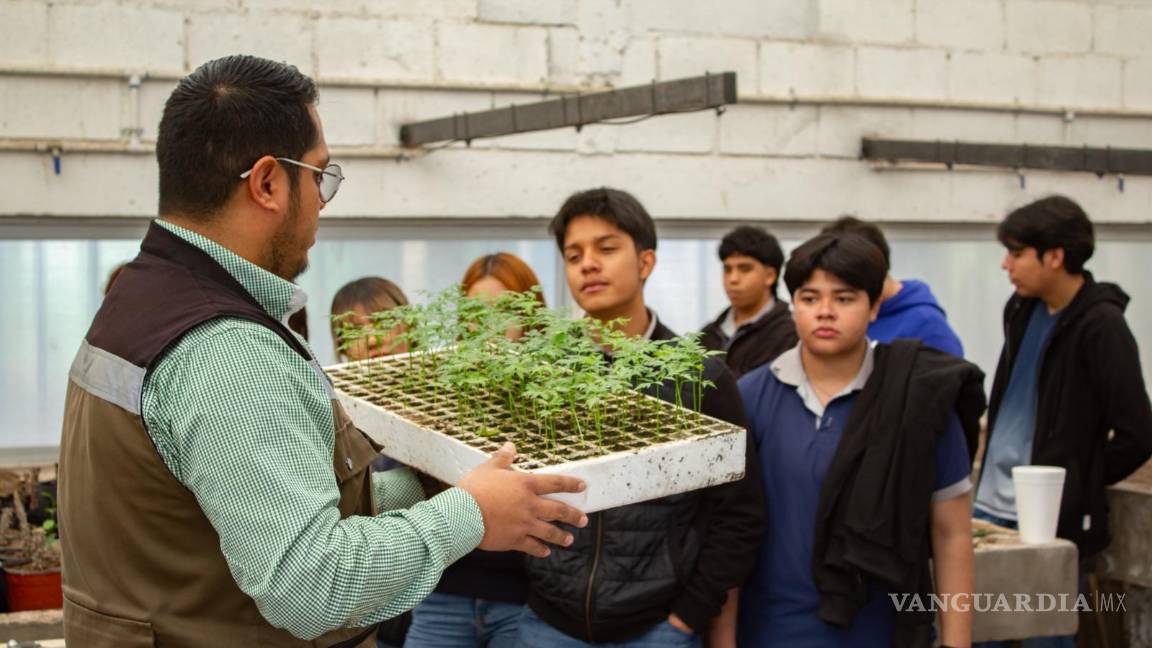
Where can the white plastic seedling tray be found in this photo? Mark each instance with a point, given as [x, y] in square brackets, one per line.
[670, 450]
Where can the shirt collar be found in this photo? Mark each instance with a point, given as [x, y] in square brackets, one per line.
[651, 324]
[279, 298]
[728, 326]
[789, 369]
[652, 321]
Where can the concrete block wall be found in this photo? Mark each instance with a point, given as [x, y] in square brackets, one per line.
[815, 76]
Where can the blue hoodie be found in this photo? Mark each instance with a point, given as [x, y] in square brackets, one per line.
[914, 313]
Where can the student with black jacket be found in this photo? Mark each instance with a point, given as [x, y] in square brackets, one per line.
[656, 573]
[756, 327]
[865, 470]
[1068, 389]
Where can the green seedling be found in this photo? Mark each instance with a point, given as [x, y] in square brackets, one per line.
[563, 381]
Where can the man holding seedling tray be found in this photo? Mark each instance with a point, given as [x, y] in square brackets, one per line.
[656, 573]
[214, 492]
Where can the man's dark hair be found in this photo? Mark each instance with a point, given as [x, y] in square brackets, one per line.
[853, 225]
[1050, 223]
[617, 207]
[851, 258]
[221, 119]
[754, 242]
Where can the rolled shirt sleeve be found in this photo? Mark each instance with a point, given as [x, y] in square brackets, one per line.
[953, 472]
[396, 489]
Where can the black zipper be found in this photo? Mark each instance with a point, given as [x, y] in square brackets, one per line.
[599, 521]
[1008, 333]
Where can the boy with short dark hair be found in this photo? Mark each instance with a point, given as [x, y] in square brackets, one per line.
[908, 309]
[1068, 389]
[756, 327]
[656, 573]
[864, 465]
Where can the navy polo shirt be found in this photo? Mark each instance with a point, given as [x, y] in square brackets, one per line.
[797, 438]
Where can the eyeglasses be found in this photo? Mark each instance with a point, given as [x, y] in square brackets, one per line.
[328, 179]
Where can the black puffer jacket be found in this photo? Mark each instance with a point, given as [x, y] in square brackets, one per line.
[1092, 411]
[633, 565]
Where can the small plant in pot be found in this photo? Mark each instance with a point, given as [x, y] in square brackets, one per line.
[31, 554]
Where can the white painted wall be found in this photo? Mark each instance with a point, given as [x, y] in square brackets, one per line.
[1071, 72]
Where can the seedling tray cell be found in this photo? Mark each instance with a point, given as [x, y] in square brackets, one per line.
[645, 448]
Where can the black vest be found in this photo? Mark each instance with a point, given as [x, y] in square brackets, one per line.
[176, 286]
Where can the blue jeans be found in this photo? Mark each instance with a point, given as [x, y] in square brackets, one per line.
[536, 633]
[1068, 641]
[448, 621]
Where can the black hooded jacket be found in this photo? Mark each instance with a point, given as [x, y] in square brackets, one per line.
[1090, 385]
[753, 344]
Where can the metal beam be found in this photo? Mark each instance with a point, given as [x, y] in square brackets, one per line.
[680, 95]
[1101, 161]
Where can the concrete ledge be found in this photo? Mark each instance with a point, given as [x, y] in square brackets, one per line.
[1005, 566]
[1129, 558]
[37, 625]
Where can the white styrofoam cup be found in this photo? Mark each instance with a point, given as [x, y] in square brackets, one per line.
[1038, 493]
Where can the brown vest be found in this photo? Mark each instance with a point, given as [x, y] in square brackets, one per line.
[142, 564]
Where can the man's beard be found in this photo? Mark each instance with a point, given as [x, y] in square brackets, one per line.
[283, 244]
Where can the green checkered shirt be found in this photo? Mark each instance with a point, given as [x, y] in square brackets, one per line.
[246, 424]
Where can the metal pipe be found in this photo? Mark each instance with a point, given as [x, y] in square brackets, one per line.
[1066, 112]
[26, 145]
[323, 81]
[128, 147]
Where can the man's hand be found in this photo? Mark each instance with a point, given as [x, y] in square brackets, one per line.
[515, 514]
[678, 623]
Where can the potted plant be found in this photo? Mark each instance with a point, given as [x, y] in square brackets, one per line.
[574, 395]
[31, 553]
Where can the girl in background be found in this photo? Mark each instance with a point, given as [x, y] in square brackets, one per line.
[363, 297]
[495, 274]
[480, 598]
